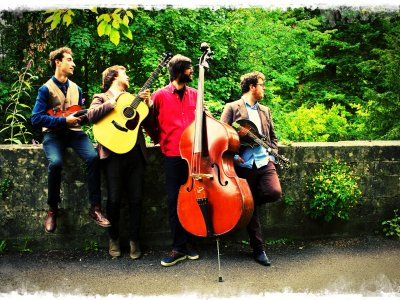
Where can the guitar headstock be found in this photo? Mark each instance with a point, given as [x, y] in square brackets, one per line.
[165, 58]
[283, 162]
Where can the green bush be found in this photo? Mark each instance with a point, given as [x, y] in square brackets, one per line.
[91, 246]
[333, 191]
[392, 227]
[3, 246]
[318, 124]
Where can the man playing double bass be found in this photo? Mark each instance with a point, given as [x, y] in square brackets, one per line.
[173, 110]
[255, 164]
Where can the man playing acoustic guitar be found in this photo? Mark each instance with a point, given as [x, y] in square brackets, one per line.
[124, 171]
[61, 130]
[256, 164]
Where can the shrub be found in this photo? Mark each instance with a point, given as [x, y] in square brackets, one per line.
[333, 191]
[392, 227]
[318, 124]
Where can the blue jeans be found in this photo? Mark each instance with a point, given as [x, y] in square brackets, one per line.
[54, 145]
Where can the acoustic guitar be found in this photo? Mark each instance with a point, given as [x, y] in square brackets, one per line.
[118, 130]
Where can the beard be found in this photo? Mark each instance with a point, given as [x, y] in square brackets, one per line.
[185, 78]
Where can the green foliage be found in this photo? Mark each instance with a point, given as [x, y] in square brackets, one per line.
[289, 201]
[318, 63]
[333, 191]
[391, 227]
[6, 186]
[3, 246]
[63, 16]
[315, 124]
[91, 246]
[115, 23]
[87, 128]
[283, 241]
[384, 97]
[110, 23]
[23, 246]
[17, 113]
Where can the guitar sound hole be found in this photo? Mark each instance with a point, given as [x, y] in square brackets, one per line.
[132, 123]
[129, 112]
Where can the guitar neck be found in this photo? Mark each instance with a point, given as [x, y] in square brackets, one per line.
[146, 85]
[262, 143]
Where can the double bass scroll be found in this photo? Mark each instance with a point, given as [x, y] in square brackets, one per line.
[214, 200]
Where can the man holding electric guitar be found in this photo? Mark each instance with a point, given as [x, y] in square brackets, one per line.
[57, 111]
[255, 162]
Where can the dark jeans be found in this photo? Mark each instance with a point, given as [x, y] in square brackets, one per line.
[265, 187]
[125, 174]
[176, 174]
[54, 145]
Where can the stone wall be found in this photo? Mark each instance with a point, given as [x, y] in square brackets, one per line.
[23, 193]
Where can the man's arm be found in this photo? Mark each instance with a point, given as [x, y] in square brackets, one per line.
[227, 114]
[39, 116]
[99, 108]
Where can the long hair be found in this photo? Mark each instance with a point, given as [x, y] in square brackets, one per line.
[58, 54]
[109, 75]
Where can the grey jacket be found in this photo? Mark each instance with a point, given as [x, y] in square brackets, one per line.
[236, 110]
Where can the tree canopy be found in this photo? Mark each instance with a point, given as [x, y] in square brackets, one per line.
[331, 74]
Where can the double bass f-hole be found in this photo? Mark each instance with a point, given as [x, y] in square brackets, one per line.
[219, 175]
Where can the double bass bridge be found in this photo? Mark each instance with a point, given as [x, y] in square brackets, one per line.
[201, 176]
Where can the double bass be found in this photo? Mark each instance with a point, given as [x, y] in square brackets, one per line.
[214, 200]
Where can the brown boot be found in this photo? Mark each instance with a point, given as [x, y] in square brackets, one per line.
[97, 216]
[135, 252]
[114, 249]
[50, 223]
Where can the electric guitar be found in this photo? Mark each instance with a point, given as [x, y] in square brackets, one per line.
[249, 136]
[118, 130]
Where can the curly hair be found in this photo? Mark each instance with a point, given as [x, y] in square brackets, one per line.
[250, 79]
[58, 54]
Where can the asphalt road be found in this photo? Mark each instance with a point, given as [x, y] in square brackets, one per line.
[363, 267]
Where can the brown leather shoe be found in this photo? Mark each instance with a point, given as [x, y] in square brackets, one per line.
[135, 251]
[97, 216]
[114, 249]
[50, 223]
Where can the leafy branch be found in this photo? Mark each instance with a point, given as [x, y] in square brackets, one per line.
[58, 15]
[109, 24]
[17, 111]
